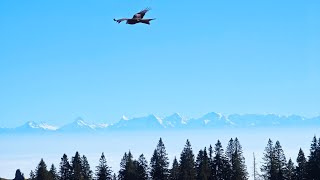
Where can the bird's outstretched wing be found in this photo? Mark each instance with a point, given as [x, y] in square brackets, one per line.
[120, 20]
[141, 14]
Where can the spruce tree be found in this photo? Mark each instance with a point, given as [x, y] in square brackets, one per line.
[53, 175]
[211, 164]
[159, 163]
[103, 171]
[76, 167]
[32, 175]
[126, 171]
[290, 172]
[269, 168]
[142, 168]
[85, 166]
[235, 156]
[222, 168]
[65, 170]
[187, 164]
[202, 165]
[174, 171]
[301, 169]
[313, 169]
[41, 171]
[280, 161]
[18, 175]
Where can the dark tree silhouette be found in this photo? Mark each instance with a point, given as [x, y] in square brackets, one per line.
[53, 175]
[41, 171]
[85, 169]
[103, 171]
[19, 175]
[159, 163]
[65, 170]
[174, 171]
[76, 165]
[301, 169]
[187, 164]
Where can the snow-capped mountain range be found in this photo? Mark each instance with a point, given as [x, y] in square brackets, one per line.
[175, 121]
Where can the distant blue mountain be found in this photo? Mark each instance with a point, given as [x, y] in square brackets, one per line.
[211, 120]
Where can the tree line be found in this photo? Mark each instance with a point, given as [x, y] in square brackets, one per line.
[213, 163]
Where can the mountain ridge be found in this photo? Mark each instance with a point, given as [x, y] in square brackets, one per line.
[210, 120]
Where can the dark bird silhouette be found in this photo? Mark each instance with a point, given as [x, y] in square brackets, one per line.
[137, 18]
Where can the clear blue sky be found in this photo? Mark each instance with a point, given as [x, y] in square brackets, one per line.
[63, 59]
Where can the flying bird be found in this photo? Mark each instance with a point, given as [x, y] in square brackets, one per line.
[137, 18]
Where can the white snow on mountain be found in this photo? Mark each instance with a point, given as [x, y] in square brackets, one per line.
[174, 121]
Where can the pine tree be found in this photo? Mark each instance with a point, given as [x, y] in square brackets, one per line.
[65, 170]
[211, 163]
[86, 171]
[159, 163]
[103, 171]
[187, 164]
[202, 165]
[313, 170]
[269, 168]
[19, 175]
[126, 171]
[222, 167]
[53, 175]
[32, 176]
[301, 169]
[174, 171]
[76, 167]
[41, 171]
[290, 172]
[235, 156]
[280, 161]
[142, 168]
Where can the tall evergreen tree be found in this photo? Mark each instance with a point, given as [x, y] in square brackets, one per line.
[126, 171]
[103, 171]
[235, 156]
[65, 170]
[280, 161]
[76, 167]
[290, 172]
[269, 168]
[53, 175]
[202, 165]
[211, 164]
[313, 169]
[301, 169]
[222, 168]
[187, 164]
[85, 166]
[41, 171]
[32, 175]
[18, 175]
[142, 168]
[174, 171]
[159, 164]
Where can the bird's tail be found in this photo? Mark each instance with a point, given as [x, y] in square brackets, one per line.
[146, 21]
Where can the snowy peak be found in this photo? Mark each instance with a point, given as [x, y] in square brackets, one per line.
[78, 125]
[173, 121]
[151, 122]
[148, 123]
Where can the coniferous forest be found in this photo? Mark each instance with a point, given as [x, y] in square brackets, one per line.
[210, 163]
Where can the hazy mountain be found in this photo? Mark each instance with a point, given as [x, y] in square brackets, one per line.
[174, 122]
